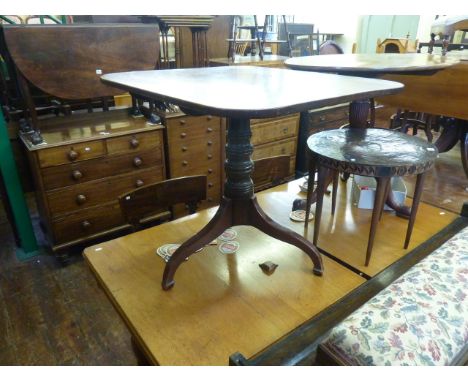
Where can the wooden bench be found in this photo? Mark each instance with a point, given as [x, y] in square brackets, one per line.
[414, 312]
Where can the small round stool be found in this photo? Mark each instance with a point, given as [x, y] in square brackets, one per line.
[378, 153]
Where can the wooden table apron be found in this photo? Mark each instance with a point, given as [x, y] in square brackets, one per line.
[239, 94]
[376, 66]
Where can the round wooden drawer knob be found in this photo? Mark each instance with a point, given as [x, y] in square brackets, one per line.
[283, 151]
[134, 143]
[210, 156]
[184, 163]
[183, 135]
[139, 183]
[77, 175]
[210, 185]
[137, 162]
[184, 148]
[210, 171]
[209, 143]
[182, 122]
[209, 129]
[80, 199]
[85, 224]
[73, 155]
[209, 199]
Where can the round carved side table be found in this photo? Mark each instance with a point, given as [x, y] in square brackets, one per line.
[378, 153]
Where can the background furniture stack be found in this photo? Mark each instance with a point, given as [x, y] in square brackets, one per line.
[81, 162]
[198, 26]
[258, 37]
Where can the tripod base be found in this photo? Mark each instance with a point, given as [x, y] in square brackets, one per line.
[232, 212]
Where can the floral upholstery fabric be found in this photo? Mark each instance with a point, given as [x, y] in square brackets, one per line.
[420, 319]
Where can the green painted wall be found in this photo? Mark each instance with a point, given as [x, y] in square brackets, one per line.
[374, 27]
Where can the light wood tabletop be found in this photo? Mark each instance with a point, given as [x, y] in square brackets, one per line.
[225, 303]
[368, 64]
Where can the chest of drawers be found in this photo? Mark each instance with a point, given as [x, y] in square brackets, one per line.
[195, 146]
[314, 121]
[84, 164]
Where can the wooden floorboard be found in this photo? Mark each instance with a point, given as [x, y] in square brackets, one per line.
[53, 315]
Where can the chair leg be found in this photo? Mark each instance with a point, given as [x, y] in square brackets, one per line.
[310, 187]
[336, 174]
[378, 206]
[404, 122]
[414, 208]
[387, 191]
[321, 186]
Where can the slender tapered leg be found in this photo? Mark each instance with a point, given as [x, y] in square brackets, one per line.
[414, 208]
[260, 220]
[321, 186]
[217, 225]
[387, 191]
[336, 174]
[311, 196]
[378, 206]
[450, 135]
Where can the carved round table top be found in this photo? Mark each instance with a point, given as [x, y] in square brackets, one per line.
[372, 152]
[372, 64]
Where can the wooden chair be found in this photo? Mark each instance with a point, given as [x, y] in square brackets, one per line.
[330, 47]
[269, 172]
[159, 197]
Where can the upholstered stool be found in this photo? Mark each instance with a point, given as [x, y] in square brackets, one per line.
[419, 319]
[379, 153]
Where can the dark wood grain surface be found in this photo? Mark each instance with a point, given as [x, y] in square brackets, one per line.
[379, 148]
[372, 63]
[65, 60]
[248, 92]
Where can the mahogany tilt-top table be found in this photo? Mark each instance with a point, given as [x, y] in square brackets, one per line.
[374, 65]
[239, 94]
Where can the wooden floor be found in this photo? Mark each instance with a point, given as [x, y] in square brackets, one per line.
[52, 315]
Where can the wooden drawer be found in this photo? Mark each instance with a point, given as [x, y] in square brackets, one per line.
[97, 192]
[195, 148]
[285, 147]
[134, 142]
[255, 121]
[87, 222]
[193, 135]
[327, 115]
[71, 174]
[196, 167]
[192, 122]
[71, 153]
[274, 130]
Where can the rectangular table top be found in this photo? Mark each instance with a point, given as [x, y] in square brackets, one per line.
[220, 303]
[248, 91]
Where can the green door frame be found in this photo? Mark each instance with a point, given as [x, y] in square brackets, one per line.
[15, 194]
